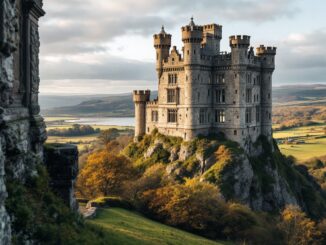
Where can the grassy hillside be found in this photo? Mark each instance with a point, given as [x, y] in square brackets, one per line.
[125, 227]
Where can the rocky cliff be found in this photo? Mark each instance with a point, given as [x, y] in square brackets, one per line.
[265, 180]
[22, 129]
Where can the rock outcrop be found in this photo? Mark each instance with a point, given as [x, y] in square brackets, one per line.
[22, 129]
[264, 180]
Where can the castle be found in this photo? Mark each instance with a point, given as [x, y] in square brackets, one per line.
[203, 90]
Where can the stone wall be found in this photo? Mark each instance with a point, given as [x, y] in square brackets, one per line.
[22, 129]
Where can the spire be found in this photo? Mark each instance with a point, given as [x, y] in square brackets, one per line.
[192, 23]
[162, 30]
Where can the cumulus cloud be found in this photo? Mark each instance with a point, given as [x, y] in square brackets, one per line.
[77, 35]
[302, 57]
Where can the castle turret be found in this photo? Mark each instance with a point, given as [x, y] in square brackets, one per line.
[239, 49]
[162, 44]
[267, 55]
[192, 36]
[140, 98]
[212, 35]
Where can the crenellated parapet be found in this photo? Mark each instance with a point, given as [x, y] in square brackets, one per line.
[192, 34]
[262, 50]
[239, 41]
[141, 96]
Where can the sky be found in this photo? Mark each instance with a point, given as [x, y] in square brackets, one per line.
[106, 46]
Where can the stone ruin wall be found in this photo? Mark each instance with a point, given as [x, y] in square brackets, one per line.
[22, 129]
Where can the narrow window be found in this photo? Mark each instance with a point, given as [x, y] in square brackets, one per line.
[257, 114]
[202, 115]
[172, 115]
[220, 116]
[235, 132]
[171, 96]
[248, 115]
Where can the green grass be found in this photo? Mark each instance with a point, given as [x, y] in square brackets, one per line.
[311, 148]
[315, 130]
[126, 227]
[312, 142]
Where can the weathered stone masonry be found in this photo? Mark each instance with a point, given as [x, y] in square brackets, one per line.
[22, 129]
[203, 90]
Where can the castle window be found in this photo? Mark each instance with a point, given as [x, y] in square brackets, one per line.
[235, 132]
[172, 115]
[248, 115]
[220, 116]
[221, 79]
[203, 116]
[172, 97]
[248, 95]
[220, 95]
[257, 114]
[173, 78]
[154, 116]
[198, 96]
[188, 52]
[157, 56]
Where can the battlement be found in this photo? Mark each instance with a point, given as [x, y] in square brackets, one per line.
[239, 41]
[162, 40]
[152, 103]
[141, 95]
[262, 50]
[213, 29]
[192, 33]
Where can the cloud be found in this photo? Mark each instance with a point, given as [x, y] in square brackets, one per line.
[69, 25]
[302, 57]
[78, 36]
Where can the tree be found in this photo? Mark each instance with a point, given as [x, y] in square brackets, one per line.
[107, 135]
[104, 174]
[194, 205]
[298, 228]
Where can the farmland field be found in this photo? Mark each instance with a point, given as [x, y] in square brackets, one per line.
[302, 142]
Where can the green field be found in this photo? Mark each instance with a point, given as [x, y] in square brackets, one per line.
[81, 141]
[308, 142]
[125, 227]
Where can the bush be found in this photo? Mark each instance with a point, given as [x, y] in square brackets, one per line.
[110, 202]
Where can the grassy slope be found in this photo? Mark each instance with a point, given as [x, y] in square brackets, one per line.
[125, 227]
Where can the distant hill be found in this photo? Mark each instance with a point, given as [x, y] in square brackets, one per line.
[314, 93]
[106, 105]
[122, 105]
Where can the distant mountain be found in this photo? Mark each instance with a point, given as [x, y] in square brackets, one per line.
[109, 106]
[122, 105]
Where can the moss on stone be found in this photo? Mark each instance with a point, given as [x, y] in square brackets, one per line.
[39, 216]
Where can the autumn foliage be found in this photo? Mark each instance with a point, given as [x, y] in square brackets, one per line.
[103, 174]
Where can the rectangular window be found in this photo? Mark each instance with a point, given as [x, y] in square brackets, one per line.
[154, 116]
[248, 95]
[172, 98]
[221, 78]
[248, 115]
[202, 116]
[220, 96]
[173, 79]
[220, 116]
[172, 115]
[257, 114]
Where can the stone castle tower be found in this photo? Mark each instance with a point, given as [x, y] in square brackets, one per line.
[203, 91]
